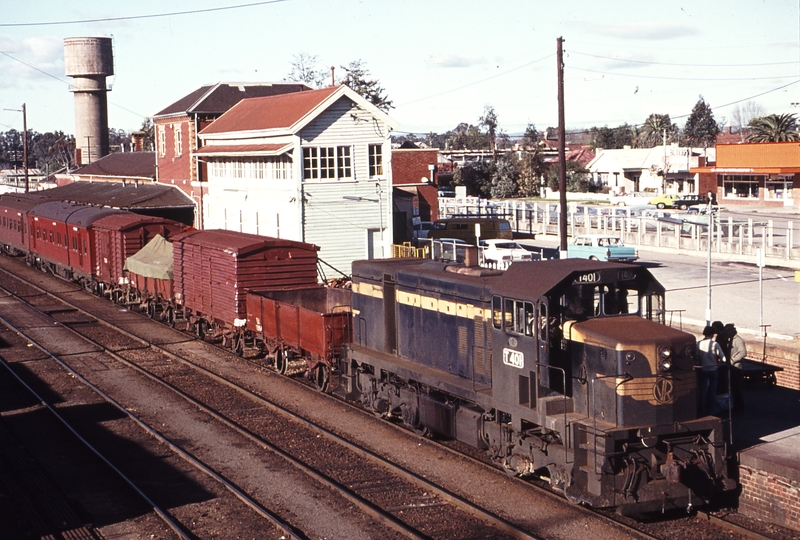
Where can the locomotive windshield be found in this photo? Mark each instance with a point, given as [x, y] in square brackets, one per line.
[584, 301]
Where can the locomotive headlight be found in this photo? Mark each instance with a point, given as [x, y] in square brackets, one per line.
[665, 358]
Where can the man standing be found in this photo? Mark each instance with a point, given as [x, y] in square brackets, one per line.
[738, 353]
[710, 355]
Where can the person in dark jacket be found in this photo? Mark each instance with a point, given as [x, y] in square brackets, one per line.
[738, 353]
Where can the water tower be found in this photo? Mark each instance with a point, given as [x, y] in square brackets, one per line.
[89, 60]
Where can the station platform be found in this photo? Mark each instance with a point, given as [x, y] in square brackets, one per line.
[766, 440]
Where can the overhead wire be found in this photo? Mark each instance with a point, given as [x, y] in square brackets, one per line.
[134, 17]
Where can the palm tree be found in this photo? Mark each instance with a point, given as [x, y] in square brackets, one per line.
[774, 128]
[653, 129]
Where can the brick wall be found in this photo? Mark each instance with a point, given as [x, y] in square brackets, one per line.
[175, 169]
[409, 166]
[788, 359]
[769, 497]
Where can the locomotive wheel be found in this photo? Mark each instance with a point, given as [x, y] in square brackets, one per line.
[322, 377]
[151, 310]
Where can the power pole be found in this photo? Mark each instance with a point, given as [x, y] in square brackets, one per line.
[25, 145]
[562, 159]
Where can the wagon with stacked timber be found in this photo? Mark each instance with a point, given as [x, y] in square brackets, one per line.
[214, 269]
[302, 330]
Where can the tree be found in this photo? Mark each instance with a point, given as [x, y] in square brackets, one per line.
[118, 140]
[148, 132]
[305, 69]
[701, 129]
[774, 128]
[357, 79]
[578, 179]
[466, 137]
[531, 136]
[608, 138]
[476, 176]
[654, 128]
[504, 177]
[531, 163]
[489, 122]
[52, 152]
[741, 117]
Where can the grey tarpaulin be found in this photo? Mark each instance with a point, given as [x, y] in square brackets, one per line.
[154, 260]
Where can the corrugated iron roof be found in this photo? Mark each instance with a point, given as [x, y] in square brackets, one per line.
[219, 97]
[122, 165]
[244, 149]
[274, 112]
[120, 195]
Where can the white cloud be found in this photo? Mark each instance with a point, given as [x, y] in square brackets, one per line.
[646, 30]
[25, 59]
[450, 60]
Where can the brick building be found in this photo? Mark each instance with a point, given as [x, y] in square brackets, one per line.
[416, 189]
[177, 127]
[752, 173]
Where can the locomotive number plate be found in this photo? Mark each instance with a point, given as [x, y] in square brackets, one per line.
[591, 277]
[513, 358]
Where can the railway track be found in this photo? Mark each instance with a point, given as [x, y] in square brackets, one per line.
[394, 497]
[390, 494]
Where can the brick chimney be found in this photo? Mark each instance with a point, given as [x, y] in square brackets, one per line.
[137, 140]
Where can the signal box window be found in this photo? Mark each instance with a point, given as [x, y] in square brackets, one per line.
[375, 160]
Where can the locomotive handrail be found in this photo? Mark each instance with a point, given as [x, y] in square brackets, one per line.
[564, 393]
[626, 377]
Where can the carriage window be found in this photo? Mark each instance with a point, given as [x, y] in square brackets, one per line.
[58, 237]
[497, 312]
[74, 243]
[51, 237]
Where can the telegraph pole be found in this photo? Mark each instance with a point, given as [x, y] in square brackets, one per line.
[25, 145]
[562, 160]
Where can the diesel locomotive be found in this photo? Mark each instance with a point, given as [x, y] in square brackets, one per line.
[560, 368]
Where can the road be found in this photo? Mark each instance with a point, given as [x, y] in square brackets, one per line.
[736, 295]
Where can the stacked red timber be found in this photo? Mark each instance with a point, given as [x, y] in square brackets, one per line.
[214, 269]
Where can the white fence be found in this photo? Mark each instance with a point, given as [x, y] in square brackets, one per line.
[738, 238]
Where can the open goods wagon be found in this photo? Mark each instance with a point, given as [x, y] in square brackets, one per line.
[301, 330]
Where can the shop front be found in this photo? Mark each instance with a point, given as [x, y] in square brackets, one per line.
[752, 173]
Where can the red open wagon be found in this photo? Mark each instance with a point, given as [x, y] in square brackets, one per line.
[303, 330]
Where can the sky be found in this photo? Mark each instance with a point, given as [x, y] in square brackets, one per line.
[440, 61]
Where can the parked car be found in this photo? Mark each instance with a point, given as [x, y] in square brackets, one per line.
[685, 201]
[497, 250]
[664, 200]
[601, 247]
[466, 228]
[635, 198]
